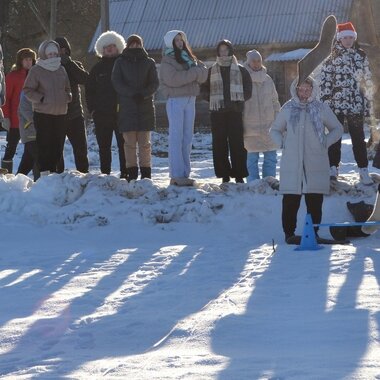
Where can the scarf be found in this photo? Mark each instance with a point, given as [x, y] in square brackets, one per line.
[216, 82]
[314, 109]
[257, 76]
[188, 60]
[51, 64]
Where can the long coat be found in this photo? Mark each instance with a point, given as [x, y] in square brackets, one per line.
[259, 112]
[304, 164]
[135, 73]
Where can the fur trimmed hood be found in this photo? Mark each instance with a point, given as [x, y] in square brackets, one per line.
[109, 38]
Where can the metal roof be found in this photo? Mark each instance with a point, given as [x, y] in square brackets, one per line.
[293, 55]
[244, 22]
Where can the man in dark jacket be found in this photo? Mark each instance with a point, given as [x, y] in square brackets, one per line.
[135, 80]
[101, 100]
[75, 126]
[227, 87]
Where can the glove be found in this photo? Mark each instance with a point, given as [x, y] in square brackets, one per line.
[138, 98]
[6, 124]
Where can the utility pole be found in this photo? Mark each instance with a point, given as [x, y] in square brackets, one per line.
[104, 15]
[53, 19]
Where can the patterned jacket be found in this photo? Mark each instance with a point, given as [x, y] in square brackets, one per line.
[346, 81]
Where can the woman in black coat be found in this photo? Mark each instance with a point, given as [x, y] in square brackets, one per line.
[135, 80]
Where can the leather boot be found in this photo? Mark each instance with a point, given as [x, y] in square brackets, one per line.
[146, 172]
[7, 164]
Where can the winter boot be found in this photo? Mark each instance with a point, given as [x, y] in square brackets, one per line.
[365, 179]
[132, 173]
[375, 216]
[146, 172]
[8, 165]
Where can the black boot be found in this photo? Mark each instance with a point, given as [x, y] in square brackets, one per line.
[146, 172]
[7, 164]
[132, 173]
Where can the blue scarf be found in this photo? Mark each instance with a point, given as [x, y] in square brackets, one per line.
[314, 109]
[188, 60]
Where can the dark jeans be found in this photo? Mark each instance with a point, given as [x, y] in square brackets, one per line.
[29, 160]
[50, 139]
[356, 131]
[291, 205]
[76, 133]
[105, 127]
[13, 137]
[228, 140]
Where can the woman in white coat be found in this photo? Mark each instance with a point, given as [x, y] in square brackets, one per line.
[300, 131]
[259, 112]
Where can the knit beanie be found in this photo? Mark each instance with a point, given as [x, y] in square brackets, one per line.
[228, 44]
[170, 35]
[253, 55]
[51, 48]
[135, 38]
[22, 54]
[63, 43]
[346, 30]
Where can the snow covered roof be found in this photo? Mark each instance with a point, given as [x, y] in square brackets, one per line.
[293, 55]
[244, 22]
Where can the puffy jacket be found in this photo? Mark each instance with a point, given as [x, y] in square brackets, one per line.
[346, 81]
[77, 75]
[25, 115]
[49, 91]
[14, 82]
[177, 80]
[101, 96]
[134, 73]
[304, 164]
[259, 112]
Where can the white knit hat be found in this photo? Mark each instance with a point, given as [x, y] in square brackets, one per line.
[170, 35]
[109, 38]
[51, 48]
[253, 54]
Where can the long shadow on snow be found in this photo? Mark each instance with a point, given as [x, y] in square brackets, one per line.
[46, 333]
[184, 287]
[286, 331]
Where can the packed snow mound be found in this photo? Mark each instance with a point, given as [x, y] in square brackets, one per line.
[73, 197]
[98, 199]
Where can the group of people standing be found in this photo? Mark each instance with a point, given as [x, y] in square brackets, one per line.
[246, 117]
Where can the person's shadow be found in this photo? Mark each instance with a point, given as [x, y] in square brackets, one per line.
[290, 328]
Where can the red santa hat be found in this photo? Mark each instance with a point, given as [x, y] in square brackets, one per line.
[346, 29]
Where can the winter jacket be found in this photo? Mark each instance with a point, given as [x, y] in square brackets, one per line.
[25, 115]
[346, 81]
[77, 75]
[101, 96]
[234, 106]
[259, 112]
[134, 75]
[177, 80]
[14, 82]
[49, 91]
[2, 79]
[305, 164]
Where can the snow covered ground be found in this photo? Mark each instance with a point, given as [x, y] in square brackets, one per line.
[104, 279]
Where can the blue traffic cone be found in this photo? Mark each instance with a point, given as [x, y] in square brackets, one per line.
[308, 239]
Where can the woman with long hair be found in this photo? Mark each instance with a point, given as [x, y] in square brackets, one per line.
[181, 73]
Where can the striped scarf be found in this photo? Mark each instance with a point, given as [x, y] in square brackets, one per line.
[216, 82]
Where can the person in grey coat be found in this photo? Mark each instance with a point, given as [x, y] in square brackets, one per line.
[29, 159]
[299, 130]
[134, 78]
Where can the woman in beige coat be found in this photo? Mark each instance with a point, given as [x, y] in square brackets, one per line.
[259, 112]
[47, 86]
[299, 130]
